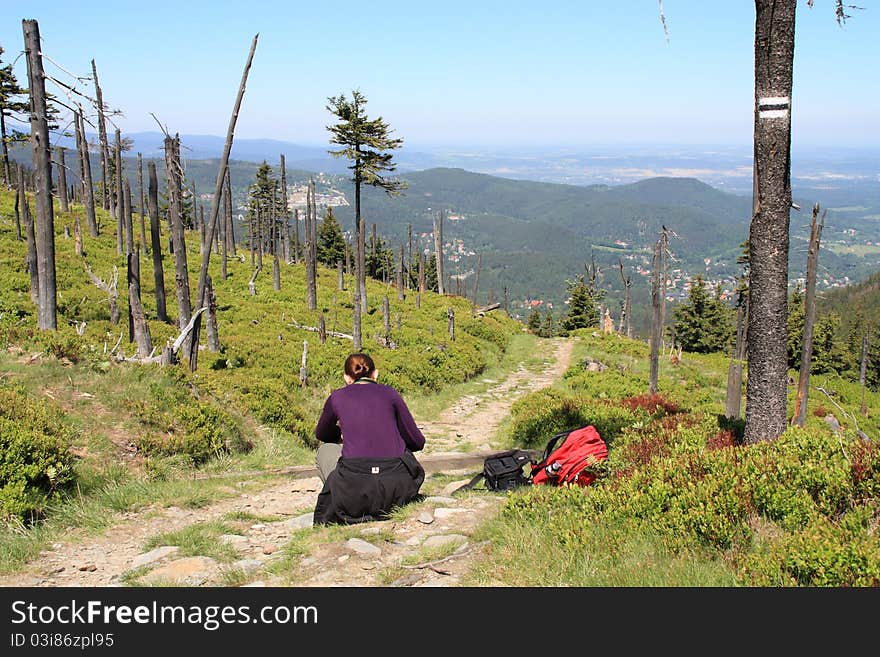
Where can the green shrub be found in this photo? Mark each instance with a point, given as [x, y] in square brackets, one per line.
[35, 461]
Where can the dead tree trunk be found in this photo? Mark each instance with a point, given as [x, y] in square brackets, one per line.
[45, 218]
[356, 320]
[656, 326]
[421, 273]
[766, 412]
[20, 200]
[85, 168]
[303, 370]
[136, 310]
[62, 180]
[181, 273]
[477, 278]
[311, 248]
[31, 258]
[4, 148]
[438, 249]
[284, 211]
[296, 242]
[322, 329]
[156, 241]
[625, 316]
[252, 284]
[104, 144]
[803, 389]
[230, 226]
[77, 235]
[120, 195]
[141, 209]
[212, 336]
[386, 318]
[450, 316]
[215, 203]
[127, 217]
[400, 276]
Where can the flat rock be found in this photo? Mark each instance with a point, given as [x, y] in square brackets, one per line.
[189, 571]
[452, 486]
[444, 512]
[362, 547]
[307, 485]
[370, 531]
[426, 517]
[438, 540]
[301, 521]
[248, 565]
[154, 555]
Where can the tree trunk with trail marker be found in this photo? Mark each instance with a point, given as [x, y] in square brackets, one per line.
[656, 326]
[85, 168]
[47, 318]
[799, 417]
[766, 413]
[156, 241]
[62, 180]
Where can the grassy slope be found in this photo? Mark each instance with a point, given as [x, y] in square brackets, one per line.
[252, 386]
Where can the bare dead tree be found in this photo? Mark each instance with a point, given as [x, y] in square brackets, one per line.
[656, 326]
[285, 213]
[311, 248]
[230, 227]
[212, 336]
[800, 405]
[20, 200]
[766, 412]
[127, 216]
[252, 284]
[477, 278]
[47, 309]
[450, 317]
[400, 276]
[356, 320]
[31, 258]
[438, 249]
[863, 369]
[733, 398]
[340, 279]
[296, 242]
[120, 196]
[156, 241]
[77, 235]
[173, 173]
[85, 168]
[62, 180]
[215, 203]
[136, 310]
[626, 311]
[386, 318]
[140, 184]
[105, 146]
[322, 329]
[303, 370]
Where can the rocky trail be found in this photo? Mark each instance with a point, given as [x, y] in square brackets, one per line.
[271, 541]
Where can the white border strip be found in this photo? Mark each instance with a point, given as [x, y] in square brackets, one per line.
[773, 100]
[773, 114]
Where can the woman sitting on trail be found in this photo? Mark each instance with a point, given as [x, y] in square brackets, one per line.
[366, 460]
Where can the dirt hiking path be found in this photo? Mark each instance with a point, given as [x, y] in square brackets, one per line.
[428, 544]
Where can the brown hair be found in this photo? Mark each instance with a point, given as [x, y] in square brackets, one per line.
[358, 366]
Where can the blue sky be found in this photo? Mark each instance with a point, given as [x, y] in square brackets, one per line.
[475, 73]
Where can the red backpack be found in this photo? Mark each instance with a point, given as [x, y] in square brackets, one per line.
[572, 461]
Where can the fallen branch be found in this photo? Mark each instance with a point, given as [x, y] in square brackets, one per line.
[845, 414]
[175, 346]
[334, 334]
[485, 309]
[460, 551]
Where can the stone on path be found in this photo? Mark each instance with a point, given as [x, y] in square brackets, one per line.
[444, 512]
[154, 555]
[440, 499]
[235, 540]
[248, 565]
[189, 571]
[451, 486]
[438, 540]
[301, 522]
[426, 517]
[362, 547]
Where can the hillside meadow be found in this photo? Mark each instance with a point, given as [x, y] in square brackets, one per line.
[77, 419]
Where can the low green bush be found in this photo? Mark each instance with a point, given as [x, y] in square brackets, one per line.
[36, 464]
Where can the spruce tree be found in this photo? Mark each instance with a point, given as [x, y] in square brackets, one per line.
[331, 241]
[703, 324]
[583, 299]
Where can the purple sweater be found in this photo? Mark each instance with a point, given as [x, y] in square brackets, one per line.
[370, 419]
